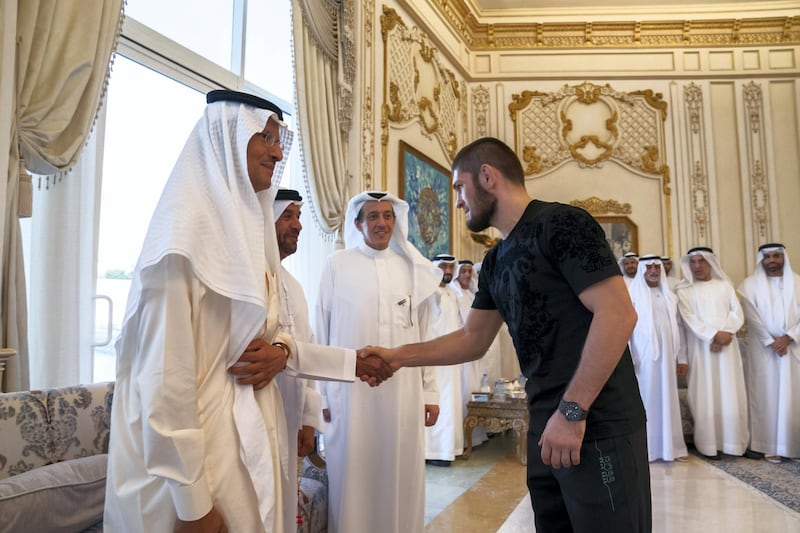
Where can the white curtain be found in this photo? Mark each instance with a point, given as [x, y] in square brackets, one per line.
[317, 27]
[63, 271]
[62, 50]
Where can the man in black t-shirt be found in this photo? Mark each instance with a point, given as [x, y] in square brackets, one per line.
[554, 280]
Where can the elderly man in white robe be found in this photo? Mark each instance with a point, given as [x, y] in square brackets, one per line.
[712, 314]
[659, 356]
[444, 441]
[628, 264]
[771, 301]
[377, 291]
[198, 433]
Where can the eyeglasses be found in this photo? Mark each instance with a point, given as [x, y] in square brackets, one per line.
[269, 139]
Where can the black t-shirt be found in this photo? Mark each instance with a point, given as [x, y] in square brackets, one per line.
[533, 278]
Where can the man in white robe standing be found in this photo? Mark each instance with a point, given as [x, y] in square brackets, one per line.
[658, 349]
[198, 432]
[712, 314]
[465, 284]
[771, 301]
[628, 264]
[445, 440]
[376, 291]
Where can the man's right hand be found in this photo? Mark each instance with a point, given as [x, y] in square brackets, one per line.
[372, 369]
[212, 522]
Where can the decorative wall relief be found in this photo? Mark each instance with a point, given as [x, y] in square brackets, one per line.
[591, 125]
[480, 111]
[367, 79]
[756, 161]
[417, 86]
[698, 177]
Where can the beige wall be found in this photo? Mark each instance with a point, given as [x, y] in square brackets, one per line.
[731, 131]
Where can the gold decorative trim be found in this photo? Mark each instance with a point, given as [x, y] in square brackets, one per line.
[756, 150]
[481, 36]
[597, 206]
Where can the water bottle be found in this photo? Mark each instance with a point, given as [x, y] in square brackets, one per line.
[485, 383]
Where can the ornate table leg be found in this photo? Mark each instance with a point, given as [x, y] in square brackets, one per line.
[469, 424]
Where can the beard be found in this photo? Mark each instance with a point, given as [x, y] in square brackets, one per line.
[447, 278]
[481, 214]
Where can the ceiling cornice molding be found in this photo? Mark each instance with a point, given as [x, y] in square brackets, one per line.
[483, 36]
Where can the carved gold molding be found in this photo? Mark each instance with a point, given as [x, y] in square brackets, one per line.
[481, 36]
[756, 158]
[417, 87]
[596, 206]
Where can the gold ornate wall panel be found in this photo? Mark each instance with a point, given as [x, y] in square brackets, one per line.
[757, 157]
[590, 124]
[417, 87]
[698, 173]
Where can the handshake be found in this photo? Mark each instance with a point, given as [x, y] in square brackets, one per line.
[374, 365]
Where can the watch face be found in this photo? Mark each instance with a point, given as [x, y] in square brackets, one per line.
[572, 411]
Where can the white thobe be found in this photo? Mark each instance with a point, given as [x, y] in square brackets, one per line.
[301, 400]
[773, 381]
[655, 357]
[374, 443]
[717, 395]
[472, 371]
[445, 440]
[175, 447]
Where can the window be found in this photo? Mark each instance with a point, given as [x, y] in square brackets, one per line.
[156, 94]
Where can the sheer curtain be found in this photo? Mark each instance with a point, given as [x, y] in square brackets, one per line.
[318, 28]
[57, 75]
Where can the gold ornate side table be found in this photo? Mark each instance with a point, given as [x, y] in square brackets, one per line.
[495, 416]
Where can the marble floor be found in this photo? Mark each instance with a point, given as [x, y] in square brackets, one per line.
[487, 493]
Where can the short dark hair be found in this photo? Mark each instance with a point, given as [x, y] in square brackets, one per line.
[491, 151]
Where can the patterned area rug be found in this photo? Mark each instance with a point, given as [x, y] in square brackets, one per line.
[778, 481]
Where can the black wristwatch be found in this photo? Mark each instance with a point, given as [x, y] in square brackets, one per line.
[572, 411]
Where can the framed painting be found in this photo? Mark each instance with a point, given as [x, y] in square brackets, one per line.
[426, 186]
[621, 234]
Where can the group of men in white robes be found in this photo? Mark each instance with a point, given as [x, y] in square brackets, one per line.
[740, 405]
[199, 426]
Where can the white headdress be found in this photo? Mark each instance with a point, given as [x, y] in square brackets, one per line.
[642, 297]
[621, 260]
[712, 259]
[426, 276]
[756, 290]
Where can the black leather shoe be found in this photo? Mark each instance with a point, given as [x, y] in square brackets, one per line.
[715, 457]
[437, 462]
[750, 454]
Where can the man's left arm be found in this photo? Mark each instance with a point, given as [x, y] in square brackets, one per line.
[610, 329]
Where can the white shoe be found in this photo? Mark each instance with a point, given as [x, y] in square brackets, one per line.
[774, 459]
